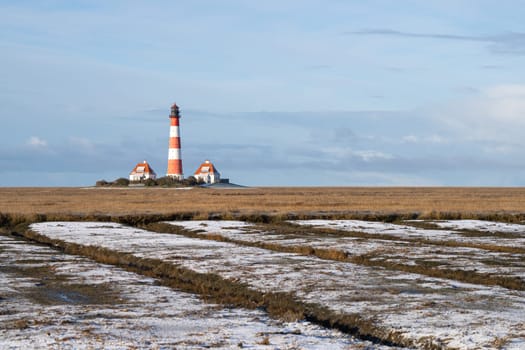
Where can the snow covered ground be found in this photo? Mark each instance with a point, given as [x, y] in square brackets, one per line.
[410, 232]
[459, 315]
[400, 252]
[479, 225]
[57, 301]
[375, 227]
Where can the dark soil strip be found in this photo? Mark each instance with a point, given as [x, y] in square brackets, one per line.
[216, 289]
[514, 283]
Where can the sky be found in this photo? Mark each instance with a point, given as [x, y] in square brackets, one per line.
[274, 92]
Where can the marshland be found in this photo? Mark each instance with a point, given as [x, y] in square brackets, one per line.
[431, 268]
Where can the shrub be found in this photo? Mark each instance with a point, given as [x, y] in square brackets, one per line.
[101, 183]
[150, 182]
[191, 181]
[121, 182]
[165, 181]
[168, 181]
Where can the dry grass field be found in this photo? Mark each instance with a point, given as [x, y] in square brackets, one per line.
[363, 267]
[426, 202]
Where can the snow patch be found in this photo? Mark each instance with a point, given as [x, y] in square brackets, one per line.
[462, 315]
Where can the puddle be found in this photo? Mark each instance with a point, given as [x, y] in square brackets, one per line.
[63, 293]
[54, 296]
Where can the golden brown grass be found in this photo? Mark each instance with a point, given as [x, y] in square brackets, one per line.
[301, 201]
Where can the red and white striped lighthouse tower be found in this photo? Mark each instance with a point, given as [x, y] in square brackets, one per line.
[174, 154]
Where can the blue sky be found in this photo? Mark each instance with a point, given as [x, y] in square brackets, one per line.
[297, 92]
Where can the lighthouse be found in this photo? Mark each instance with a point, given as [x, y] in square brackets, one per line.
[174, 154]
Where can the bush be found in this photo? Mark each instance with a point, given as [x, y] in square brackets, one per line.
[150, 182]
[121, 182]
[168, 181]
[101, 183]
[165, 181]
[191, 181]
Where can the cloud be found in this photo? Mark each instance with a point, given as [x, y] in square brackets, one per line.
[390, 32]
[428, 139]
[487, 126]
[370, 155]
[348, 148]
[72, 155]
[419, 146]
[502, 105]
[37, 142]
[83, 144]
[506, 43]
[510, 43]
[410, 139]
[508, 90]
[505, 102]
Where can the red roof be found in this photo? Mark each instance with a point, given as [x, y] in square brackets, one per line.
[142, 168]
[206, 168]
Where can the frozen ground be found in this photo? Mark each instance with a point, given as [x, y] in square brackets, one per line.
[410, 232]
[399, 252]
[456, 314]
[479, 225]
[245, 232]
[57, 301]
